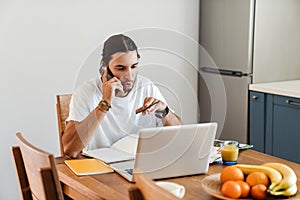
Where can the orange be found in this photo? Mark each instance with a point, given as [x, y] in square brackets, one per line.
[245, 187]
[231, 189]
[231, 173]
[255, 178]
[259, 191]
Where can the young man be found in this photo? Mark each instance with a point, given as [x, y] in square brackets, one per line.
[115, 105]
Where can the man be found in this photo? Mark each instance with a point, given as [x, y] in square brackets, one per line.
[117, 104]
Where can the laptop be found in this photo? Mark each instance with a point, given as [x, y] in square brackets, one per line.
[171, 151]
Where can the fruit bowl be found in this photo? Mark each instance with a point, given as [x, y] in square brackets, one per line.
[212, 185]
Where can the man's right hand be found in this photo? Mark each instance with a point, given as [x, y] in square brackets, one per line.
[111, 87]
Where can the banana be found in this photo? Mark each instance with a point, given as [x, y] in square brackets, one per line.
[274, 175]
[292, 190]
[289, 177]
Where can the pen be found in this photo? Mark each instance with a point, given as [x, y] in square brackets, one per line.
[148, 107]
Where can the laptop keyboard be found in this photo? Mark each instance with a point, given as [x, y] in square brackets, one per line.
[129, 171]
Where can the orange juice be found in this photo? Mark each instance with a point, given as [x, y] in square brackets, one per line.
[229, 154]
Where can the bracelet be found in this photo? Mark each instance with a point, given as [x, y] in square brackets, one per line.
[162, 114]
[104, 105]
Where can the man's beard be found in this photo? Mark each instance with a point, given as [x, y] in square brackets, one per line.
[125, 91]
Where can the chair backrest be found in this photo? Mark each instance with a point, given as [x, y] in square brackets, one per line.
[41, 171]
[21, 172]
[146, 189]
[62, 110]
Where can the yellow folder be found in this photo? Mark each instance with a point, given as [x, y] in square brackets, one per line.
[88, 166]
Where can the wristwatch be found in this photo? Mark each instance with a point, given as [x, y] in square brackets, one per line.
[162, 114]
[104, 105]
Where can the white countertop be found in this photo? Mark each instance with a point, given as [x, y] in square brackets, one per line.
[285, 88]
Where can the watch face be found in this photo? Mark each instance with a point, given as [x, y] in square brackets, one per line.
[104, 105]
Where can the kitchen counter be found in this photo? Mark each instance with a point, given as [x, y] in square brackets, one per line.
[284, 88]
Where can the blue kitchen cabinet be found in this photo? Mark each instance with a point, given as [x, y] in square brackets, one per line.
[274, 125]
[257, 120]
[286, 127]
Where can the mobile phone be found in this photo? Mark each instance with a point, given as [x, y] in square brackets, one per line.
[109, 73]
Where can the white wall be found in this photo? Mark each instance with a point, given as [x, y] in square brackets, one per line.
[48, 47]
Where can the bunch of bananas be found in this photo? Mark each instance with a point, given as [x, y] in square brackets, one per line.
[283, 178]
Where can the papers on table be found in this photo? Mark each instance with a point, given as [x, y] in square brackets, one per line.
[215, 155]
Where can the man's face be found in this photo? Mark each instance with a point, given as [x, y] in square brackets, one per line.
[124, 66]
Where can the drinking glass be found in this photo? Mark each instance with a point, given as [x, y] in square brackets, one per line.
[230, 152]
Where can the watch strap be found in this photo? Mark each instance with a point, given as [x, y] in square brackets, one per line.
[162, 114]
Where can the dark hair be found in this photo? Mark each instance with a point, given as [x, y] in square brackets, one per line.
[117, 43]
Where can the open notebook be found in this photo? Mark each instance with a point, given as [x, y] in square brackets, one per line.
[124, 149]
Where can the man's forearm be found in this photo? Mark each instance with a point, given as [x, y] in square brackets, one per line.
[78, 134]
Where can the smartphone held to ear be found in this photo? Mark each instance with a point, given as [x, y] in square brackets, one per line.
[109, 73]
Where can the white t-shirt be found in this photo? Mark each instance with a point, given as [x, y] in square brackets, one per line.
[120, 120]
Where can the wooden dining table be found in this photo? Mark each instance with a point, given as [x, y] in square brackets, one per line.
[113, 186]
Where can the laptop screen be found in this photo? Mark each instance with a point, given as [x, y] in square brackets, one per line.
[175, 150]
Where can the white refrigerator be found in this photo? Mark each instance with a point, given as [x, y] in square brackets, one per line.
[243, 42]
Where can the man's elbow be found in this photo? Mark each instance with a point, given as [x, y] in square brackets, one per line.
[70, 150]
[69, 147]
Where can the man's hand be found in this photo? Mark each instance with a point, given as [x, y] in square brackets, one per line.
[151, 105]
[111, 87]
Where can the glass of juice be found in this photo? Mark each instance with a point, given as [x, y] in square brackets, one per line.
[230, 152]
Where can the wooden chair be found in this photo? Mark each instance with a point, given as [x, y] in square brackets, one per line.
[62, 110]
[146, 189]
[21, 172]
[41, 171]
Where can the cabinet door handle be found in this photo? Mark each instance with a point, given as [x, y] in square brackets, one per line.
[254, 97]
[292, 103]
